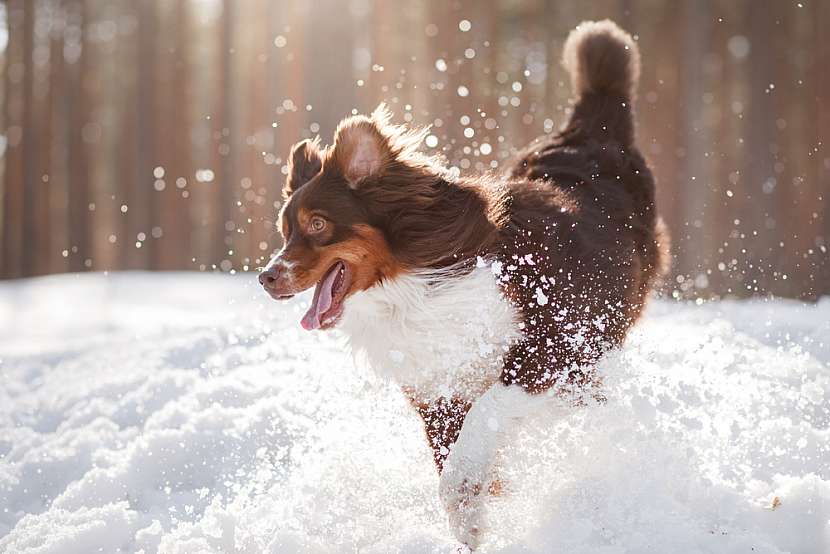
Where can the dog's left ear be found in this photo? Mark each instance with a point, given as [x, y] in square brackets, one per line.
[361, 148]
[304, 162]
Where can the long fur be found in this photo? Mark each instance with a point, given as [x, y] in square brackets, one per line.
[441, 333]
[602, 59]
[573, 247]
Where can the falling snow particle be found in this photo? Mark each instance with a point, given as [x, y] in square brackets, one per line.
[204, 175]
[738, 46]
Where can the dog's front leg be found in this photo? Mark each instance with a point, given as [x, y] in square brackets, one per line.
[465, 479]
[443, 418]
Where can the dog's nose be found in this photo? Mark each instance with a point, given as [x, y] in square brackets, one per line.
[268, 277]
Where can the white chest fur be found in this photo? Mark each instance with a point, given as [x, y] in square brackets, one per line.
[438, 336]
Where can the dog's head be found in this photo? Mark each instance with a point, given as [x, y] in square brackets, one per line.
[335, 221]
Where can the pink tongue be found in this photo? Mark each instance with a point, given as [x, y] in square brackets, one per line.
[321, 302]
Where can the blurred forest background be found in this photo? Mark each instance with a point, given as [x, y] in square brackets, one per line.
[152, 134]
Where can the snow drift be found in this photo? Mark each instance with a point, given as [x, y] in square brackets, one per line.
[189, 413]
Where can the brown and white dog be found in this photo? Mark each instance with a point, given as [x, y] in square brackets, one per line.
[476, 292]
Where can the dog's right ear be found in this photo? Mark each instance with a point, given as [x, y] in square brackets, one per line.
[304, 162]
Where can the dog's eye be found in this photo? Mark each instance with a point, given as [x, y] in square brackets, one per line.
[316, 224]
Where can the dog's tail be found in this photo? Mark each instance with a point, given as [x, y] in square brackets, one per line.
[604, 64]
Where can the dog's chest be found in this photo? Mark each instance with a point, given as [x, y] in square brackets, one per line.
[436, 336]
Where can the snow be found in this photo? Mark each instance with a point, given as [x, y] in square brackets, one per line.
[189, 413]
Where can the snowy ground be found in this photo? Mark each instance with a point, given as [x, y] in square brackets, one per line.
[188, 413]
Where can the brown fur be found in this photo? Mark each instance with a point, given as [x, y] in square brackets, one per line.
[602, 59]
[304, 162]
[443, 420]
[573, 216]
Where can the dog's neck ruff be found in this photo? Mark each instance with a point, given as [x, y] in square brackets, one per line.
[435, 334]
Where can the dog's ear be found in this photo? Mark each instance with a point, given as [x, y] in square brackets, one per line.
[304, 162]
[361, 148]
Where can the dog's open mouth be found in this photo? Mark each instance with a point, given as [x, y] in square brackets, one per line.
[327, 304]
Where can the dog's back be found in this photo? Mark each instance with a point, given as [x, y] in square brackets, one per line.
[583, 200]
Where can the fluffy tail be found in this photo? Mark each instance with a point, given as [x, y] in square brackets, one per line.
[604, 64]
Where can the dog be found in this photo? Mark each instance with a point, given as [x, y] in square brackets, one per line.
[475, 293]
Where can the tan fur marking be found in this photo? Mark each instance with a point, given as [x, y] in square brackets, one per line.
[369, 256]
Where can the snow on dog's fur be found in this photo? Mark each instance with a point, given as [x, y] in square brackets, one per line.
[473, 292]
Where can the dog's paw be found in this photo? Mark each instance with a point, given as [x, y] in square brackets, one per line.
[463, 497]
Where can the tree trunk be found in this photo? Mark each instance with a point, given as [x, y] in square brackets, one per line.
[77, 108]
